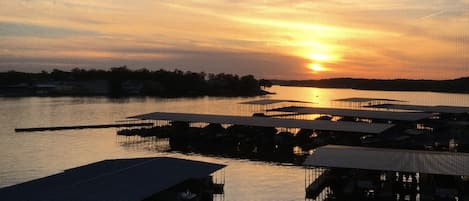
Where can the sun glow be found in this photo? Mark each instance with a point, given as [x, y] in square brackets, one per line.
[316, 67]
[319, 57]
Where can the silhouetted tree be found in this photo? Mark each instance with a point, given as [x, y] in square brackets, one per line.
[265, 83]
[153, 83]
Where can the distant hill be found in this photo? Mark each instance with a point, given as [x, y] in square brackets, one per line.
[460, 85]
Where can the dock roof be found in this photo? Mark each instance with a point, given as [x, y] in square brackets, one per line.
[364, 100]
[386, 115]
[425, 108]
[118, 180]
[343, 126]
[429, 162]
[271, 101]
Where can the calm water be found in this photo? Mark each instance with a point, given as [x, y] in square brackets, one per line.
[26, 156]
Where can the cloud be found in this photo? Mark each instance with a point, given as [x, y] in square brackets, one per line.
[261, 64]
[268, 38]
[31, 30]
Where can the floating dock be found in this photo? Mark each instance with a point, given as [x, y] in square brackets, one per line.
[55, 128]
[372, 114]
[342, 126]
[446, 109]
[383, 174]
[385, 159]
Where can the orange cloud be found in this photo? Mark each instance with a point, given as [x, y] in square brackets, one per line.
[273, 39]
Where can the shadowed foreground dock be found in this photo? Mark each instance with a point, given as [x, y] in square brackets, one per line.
[133, 179]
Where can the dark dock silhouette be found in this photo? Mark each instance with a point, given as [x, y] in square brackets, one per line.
[55, 128]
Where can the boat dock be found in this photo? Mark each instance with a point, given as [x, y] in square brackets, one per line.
[55, 128]
[371, 114]
[134, 179]
[340, 126]
[445, 109]
[384, 173]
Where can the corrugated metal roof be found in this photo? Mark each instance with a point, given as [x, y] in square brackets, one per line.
[424, 108]
[374, 128]
[116, 180]
[429, 162]
[270, 101]
[386, 115]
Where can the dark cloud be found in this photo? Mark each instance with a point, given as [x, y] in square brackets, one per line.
[260, 64]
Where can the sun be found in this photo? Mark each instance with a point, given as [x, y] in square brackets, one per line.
[316, 67]
[319, 57]
[319, 60]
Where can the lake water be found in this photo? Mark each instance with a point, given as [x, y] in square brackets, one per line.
[26, 156]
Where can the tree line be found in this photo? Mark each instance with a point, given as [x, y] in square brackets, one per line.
[161, 82]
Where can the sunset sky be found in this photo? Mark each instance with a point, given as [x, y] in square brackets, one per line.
[284, 39]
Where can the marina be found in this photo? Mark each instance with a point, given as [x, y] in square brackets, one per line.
[222, 131]
[375, 171]
[234, 100]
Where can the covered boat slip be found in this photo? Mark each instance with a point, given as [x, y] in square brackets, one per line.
[363, 173]
[397, 160]
[271, 101]
[370, 114]
[435, 109]
[363, 101]
[261, 105]
[119, 180]
[353, 127]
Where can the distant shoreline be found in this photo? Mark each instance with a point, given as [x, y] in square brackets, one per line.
[261, 93]
[122, 82]
[460, 85]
